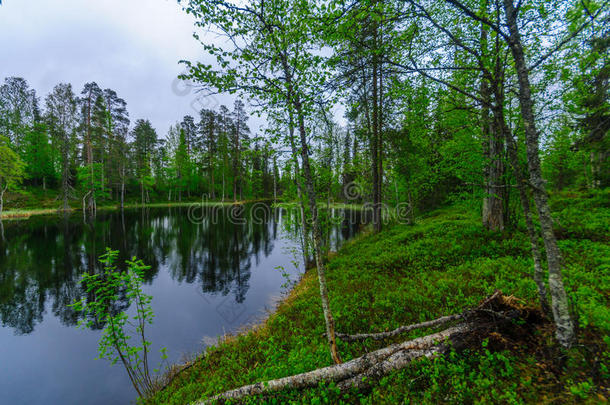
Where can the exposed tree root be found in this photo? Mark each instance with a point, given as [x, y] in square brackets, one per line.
[493, 316]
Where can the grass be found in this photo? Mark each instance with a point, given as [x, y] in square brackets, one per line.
[442, 265]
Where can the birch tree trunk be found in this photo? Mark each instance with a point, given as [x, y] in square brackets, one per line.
[492, 211]
[2, 190]
[304, 242]
[317, 234]
[561, 314]
[513, 156]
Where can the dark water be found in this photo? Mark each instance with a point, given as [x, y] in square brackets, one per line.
[212, 273]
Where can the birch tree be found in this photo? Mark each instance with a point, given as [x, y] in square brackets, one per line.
[268, 54]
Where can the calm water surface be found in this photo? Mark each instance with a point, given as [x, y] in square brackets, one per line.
[210, 274]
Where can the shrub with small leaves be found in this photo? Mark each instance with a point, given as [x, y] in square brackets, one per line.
[123, 337]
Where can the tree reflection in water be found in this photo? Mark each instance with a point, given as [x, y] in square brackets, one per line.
[42, 258]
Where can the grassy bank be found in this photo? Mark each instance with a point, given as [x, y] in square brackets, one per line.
[442, 265]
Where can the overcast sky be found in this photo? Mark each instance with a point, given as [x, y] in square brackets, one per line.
[131, 46]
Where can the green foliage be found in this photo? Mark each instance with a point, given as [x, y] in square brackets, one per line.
[11, 167]
[477, 377]
[90, 178]
[38, 155]
[442, 265]
[117, 343]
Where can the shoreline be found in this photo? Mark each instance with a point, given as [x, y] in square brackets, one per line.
[261, 325]
[27, 212]
[19, 214]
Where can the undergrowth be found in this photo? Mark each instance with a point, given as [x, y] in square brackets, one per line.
[442, 265]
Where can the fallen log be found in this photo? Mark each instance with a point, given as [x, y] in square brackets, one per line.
[340, 372]
[494, 314]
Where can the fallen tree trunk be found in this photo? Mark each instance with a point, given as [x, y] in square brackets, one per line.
[339, 372]
[494, 314]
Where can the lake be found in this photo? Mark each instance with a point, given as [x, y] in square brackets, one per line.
[213, 271]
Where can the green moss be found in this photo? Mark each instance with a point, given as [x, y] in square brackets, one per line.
[445, 263]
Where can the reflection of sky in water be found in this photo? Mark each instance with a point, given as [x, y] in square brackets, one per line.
[206, 280]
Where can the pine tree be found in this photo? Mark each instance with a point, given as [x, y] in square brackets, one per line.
[61, 117]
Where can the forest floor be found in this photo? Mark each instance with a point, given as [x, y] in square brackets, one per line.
[442, 265]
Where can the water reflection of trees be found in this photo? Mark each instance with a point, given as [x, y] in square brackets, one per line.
[42, 259]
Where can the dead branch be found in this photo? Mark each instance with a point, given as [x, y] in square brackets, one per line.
[427, 324]
[402, 329]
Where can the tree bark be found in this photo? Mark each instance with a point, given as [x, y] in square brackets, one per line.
[385, 360]
[304, 240]
[317, 233]
[375, 147]
[492, 212]
[525, 204]
[403, 329]
[122, 188]
[380, 133]
[2, 190]
[293, 100]
[565, 332]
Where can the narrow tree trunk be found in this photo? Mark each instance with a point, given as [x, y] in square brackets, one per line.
[492, 212]
[304, 233]
[525, 203]
[274, 184]
[317, 234]
[90, 152]
[380, 142]
[211, 170]
[65, 183]
[375, 152]
[2, 190]
[123, 190]
[294, 101]
[84, 203]
[565, 327]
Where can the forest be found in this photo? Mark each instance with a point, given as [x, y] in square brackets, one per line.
[474, 133]
[81, 148]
